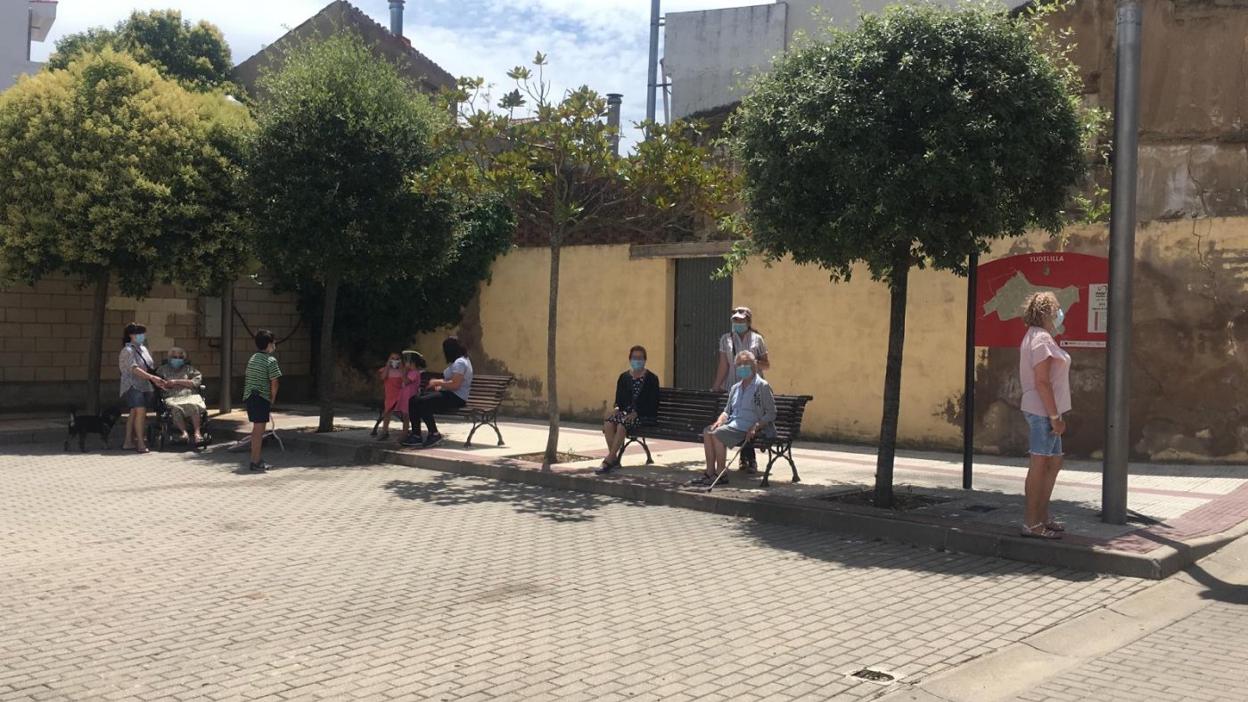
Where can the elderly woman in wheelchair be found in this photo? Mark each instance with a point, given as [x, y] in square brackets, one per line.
[182, 396]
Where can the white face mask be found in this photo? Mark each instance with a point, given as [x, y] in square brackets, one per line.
[394, 364]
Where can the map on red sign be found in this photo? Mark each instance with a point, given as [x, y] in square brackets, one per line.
[1080, 281]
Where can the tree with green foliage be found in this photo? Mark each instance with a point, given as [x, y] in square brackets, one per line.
[334, 173]
[559, 170]
[398, 309]
[195, 55]
[110, 172]
[913, 140]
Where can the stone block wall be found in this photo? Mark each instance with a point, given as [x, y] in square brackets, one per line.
[45, 335]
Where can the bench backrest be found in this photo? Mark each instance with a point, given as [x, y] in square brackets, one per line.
[682, 410]
[488, 391]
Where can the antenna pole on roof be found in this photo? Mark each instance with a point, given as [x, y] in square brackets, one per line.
[396, 17]
[652, 71]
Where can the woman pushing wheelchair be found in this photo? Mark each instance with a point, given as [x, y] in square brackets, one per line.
[751, 408]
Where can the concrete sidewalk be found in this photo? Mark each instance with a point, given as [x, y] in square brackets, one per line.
[1181, 512]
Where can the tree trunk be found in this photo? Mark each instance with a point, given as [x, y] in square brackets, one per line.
[552, 325]
[325, 377]
[227, 348]
[892, 384]
[95, 350]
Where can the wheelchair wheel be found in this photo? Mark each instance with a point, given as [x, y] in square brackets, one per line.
[164, 435]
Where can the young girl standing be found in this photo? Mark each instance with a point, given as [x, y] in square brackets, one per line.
[413, 363]
[392, 378]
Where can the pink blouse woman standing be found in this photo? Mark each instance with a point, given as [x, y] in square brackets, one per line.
[1044, 373]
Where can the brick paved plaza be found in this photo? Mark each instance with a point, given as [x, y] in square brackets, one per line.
[172, 577]
[1202, 657]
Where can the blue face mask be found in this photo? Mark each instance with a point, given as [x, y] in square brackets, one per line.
[1061, 317]
[139, 339]
[740, 327]
[176, 362]
[637, 363]
[744, 372]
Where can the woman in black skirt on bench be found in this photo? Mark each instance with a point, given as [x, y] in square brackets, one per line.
[636, 400]
[442, 396]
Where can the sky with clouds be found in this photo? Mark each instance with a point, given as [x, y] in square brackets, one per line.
[600, 43]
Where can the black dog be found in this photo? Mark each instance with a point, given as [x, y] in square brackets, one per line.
[82, 424]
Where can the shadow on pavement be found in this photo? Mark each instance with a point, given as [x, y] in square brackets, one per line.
[1217, 589]
[858, 552]
[555, 505]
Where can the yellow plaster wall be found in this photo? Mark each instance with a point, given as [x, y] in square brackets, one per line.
[825, 340]
[830, 340]
[607, 303]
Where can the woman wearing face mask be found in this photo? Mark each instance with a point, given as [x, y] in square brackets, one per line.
[137, 378]
[743, 337]
[636, 401]
[751, 408]
[1044, 373]
[182, 381]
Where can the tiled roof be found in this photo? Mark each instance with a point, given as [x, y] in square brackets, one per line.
[411, 62]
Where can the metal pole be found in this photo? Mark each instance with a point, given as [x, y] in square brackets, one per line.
[227, 348]
[968, 398]
[396, 17]
[613, 120]
[652, 71]
[1121, 262]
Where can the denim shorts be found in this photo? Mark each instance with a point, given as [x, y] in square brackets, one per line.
[1041, 439]
[136, 399]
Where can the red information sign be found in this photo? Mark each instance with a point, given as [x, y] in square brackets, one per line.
[1080, 281]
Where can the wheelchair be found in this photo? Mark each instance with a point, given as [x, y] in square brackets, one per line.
[162, 431]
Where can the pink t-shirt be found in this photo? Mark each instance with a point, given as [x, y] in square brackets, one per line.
[1038, 345]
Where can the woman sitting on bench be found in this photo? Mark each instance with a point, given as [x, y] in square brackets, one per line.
[441, 396]
[636, 400]
[751, 408]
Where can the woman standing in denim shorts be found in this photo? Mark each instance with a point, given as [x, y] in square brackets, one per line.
[138, 375]
[1044, 373]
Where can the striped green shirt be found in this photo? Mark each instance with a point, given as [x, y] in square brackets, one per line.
[261, 369]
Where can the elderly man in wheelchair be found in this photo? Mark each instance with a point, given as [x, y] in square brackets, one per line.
[181, 399]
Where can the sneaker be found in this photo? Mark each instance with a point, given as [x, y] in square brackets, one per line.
[260, 467]
[413, 440]
[433, 440]
[606, 468]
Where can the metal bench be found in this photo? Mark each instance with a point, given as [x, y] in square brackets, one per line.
[484, 398]
[683, 414]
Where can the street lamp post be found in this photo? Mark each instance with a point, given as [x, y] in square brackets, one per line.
[1121, 262]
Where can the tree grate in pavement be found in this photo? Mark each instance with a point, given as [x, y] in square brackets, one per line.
[875, 676]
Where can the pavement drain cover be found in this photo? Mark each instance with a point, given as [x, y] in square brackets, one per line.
[875, 676]
[979, 508]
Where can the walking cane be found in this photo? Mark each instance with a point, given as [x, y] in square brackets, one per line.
[727, 465]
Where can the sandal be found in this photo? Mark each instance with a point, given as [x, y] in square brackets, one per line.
[1054, 525]
[1044, 532]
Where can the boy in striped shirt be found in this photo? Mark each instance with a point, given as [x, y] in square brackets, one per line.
[260, 392]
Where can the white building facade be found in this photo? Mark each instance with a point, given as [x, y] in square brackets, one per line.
[21, 22]
[709, 55]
